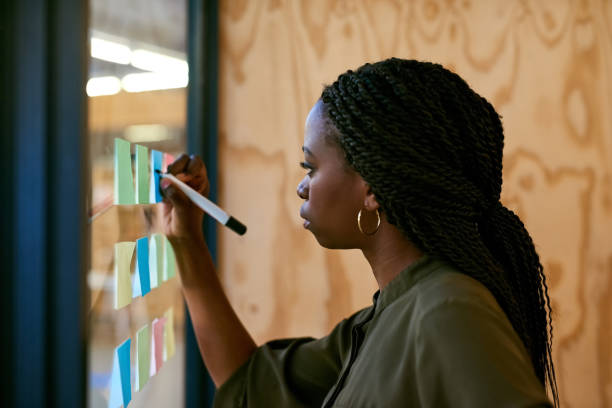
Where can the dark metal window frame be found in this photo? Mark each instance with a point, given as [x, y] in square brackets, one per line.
[202, 130]
[44, 167]
[46, 226]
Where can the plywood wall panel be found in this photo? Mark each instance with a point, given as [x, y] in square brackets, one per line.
[547, 68]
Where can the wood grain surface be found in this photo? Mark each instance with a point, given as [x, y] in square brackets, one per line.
[547, 68]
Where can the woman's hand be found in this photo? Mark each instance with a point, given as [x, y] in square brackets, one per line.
[181, 219]
[224, 343]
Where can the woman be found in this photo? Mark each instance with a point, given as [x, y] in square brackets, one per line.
[404, 162]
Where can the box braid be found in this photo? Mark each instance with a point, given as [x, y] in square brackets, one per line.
[431, 149]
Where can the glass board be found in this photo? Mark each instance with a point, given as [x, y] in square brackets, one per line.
[136, 93]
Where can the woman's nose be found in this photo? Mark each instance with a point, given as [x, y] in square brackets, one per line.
[302, 189]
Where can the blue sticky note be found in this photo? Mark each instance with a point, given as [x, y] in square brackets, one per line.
[136, 290]
[124, 181]
[142, 264]
[121, 386]
[116, 392]
[123, 351]
[156, 164]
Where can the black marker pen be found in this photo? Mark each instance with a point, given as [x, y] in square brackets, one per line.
[205, 204]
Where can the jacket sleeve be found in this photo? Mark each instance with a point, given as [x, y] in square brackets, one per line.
[288, 373]
[468, 355]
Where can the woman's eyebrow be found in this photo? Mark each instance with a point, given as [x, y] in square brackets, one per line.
[307, 150]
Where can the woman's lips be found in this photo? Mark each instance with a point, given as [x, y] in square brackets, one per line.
[303, 215]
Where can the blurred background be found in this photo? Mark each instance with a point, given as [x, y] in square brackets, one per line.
[256, 68]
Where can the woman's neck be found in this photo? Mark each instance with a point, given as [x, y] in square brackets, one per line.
[389, 252]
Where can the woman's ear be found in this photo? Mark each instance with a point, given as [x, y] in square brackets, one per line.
[370, 202]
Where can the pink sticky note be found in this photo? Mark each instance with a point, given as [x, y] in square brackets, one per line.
[169, 334]
[157, 345]
[168, 159]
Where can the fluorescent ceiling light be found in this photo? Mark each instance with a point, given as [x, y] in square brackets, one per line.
[151, 81]
[156, 62]
[108, 85]
[110, 51]
[146, 133]
[164, 71]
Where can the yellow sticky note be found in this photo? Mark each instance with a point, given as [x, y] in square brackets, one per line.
[124, 181]
[169, 334]
[123, 283]
[143, 356]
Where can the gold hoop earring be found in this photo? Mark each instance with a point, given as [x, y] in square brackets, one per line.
[359, 223]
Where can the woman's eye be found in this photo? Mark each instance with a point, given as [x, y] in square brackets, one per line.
[307, 166]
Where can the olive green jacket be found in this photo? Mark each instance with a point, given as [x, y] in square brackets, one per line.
[434, 337]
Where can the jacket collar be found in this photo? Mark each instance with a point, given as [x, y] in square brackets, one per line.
[404, 281]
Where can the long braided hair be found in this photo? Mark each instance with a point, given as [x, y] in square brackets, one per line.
[431, 150]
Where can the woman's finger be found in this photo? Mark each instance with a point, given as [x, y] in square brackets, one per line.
[195, 166]
[172, 193]
[179, 165]
[197, 170]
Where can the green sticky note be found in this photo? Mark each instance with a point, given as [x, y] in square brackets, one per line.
[156, 260]
[169, 260]
[160, 257]
[169, 334]
[124, 183]
[123, 283]
[153, 262]
[142, 175]
[143, 356]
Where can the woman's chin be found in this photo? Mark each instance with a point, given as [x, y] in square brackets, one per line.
[330, 243]
[321, 239]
